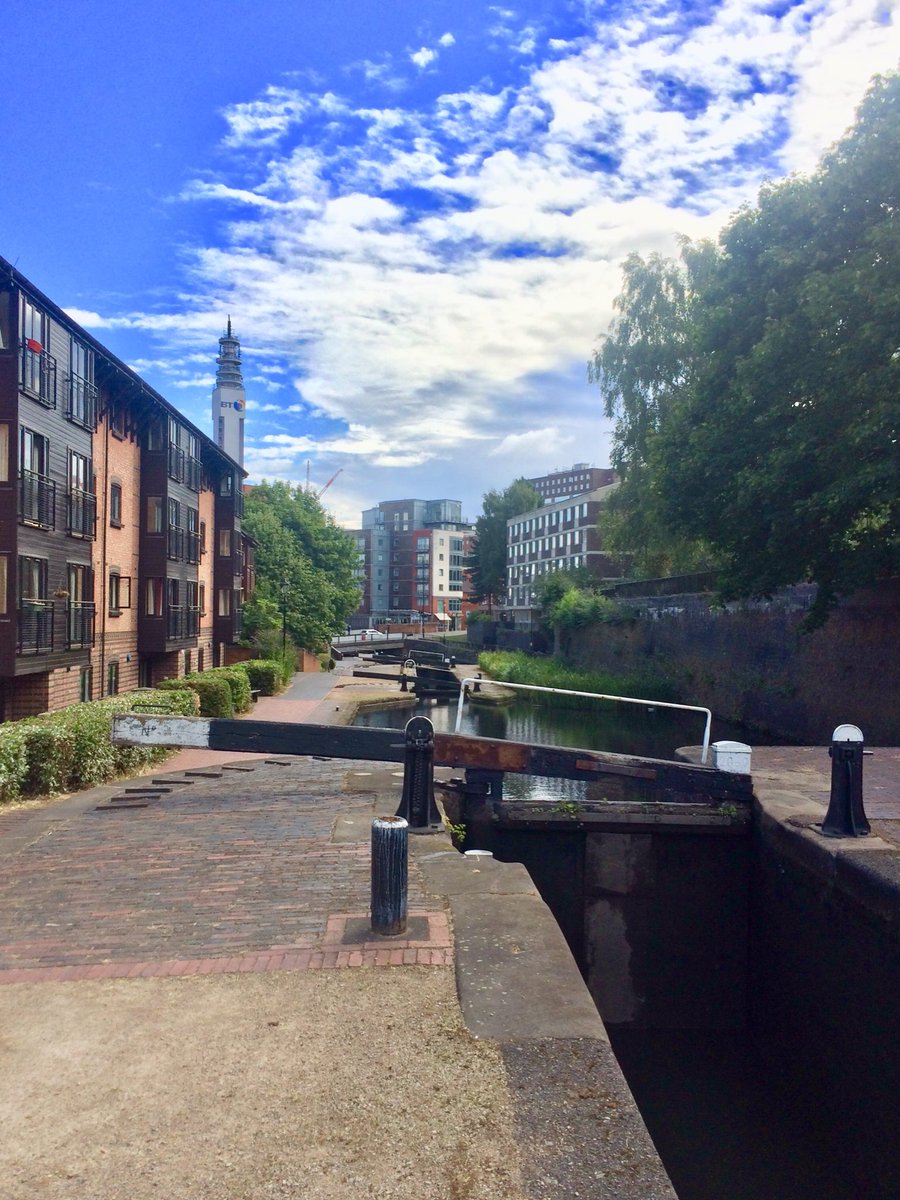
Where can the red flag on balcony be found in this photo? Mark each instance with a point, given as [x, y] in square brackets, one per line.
[34, 345]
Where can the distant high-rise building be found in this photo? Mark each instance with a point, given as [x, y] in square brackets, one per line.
[411, 556]
[228, 400]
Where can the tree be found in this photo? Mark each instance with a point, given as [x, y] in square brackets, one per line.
[642, 365]
[756, 386]
[304, 565]
[488, 559]
[784, 451]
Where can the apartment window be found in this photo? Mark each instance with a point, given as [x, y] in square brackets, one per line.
[155, 436]
[225, 543]
[193, 537]
[86, 685]
[4, 453]
[223, 602]
[4, 584]
[32, 578]
[115, 505]
[37, 492]
[202, 537]
[112, 678]
[82, 502]
[153, 599]
[226, 485]
[117, 421]
[82, 407]
[155, 514]
[37, 368]
[118, 592]
[202, 600]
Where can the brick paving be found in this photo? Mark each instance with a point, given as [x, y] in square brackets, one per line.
[238, 873]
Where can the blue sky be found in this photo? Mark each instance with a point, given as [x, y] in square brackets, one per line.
[414, 211]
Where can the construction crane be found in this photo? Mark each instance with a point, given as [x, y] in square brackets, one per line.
[322, 490]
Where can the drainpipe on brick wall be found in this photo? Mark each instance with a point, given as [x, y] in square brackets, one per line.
[103, 576]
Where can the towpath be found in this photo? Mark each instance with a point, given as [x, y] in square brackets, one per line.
[192, 1003]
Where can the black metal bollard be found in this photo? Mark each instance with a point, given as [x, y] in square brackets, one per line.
[417, 803]
[389, 875]
[845, 816]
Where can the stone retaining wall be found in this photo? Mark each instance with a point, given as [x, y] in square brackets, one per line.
[752, 664]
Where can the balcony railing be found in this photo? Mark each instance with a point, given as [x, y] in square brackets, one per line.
[37, 500]
[176, 462]
[82, 513]
[192, 473]
[82, 402]
[80, 625]
[35, 627]
[176, 622]
[37, 374]
[175, 543]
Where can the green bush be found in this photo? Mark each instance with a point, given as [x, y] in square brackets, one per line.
[72, 748]
[264, 675]
[13, 760]
[238, 683]
[213, 689]
[214, 693]
[50, 752]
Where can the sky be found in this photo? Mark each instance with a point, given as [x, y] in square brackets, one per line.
[414, 211]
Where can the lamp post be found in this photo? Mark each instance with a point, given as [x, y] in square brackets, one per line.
[284, 592]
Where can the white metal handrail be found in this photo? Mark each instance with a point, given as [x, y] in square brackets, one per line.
[533, 687]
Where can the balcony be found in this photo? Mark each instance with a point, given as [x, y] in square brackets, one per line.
[175, 543]
[176, 622]
[37, 373]
[192, 473]
[176, 462]
[82, 514]
[35, 627]
[80, 625]
[37, 500]
[82, 403]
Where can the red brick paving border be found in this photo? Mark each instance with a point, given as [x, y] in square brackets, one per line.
[435, 951]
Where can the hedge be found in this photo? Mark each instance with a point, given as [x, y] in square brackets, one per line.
[72, 749]
[265, 675]
[214, 692]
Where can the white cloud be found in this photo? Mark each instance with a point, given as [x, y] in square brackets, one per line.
[426, 333]
[423, 58]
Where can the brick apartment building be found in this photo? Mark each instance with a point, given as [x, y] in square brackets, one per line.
[574, 481]
[410, 562]
[122, 559]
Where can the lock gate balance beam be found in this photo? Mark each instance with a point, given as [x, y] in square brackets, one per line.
[672, 782]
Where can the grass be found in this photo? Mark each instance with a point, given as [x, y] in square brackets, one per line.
[518, 667]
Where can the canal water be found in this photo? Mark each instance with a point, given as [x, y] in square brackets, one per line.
[731, 1113]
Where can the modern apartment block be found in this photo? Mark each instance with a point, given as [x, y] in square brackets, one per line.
[578, 479]
[411, 556]
[122, 559]
[560, 536]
